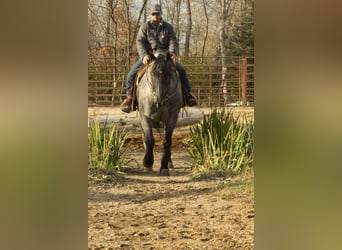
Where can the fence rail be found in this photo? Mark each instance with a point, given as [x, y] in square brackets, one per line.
[213, 83]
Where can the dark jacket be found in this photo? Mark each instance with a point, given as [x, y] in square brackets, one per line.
[156, 36]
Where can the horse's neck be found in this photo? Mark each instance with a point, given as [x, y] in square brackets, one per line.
[164, 85]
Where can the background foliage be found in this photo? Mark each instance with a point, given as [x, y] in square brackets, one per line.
[113, 25]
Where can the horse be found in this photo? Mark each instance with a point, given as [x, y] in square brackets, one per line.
[159, 98]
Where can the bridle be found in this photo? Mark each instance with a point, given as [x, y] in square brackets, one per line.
[167, 96]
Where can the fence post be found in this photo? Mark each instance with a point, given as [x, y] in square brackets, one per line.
[244, 81]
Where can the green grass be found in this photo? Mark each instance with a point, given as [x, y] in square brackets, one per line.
[238, 186]
[221, 145]
[105, 146]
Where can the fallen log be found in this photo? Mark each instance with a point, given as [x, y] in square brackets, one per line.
[110, 116]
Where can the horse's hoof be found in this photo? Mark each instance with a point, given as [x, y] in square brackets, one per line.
[148, 170]
[164, 172]
[170, 165]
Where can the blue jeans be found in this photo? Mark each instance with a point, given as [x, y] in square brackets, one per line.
[131, 75]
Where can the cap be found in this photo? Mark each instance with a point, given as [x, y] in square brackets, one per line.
[156, 9]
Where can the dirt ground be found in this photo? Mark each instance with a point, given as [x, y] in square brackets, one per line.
[146, 211]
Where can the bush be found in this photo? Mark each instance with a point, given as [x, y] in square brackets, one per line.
[221, 145]
[105, 146]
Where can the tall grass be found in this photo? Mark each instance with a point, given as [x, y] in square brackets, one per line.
[105, 146]
[221, 145]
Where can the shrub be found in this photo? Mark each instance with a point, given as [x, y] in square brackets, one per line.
[221, 145]
[105, 146]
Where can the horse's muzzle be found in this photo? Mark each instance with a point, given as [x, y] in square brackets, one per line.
[159, 104]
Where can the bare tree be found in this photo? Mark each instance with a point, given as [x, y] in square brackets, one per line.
[206, 28]
[145, 14]
[225, 8]
[193, 31]
[141, 12]
[129, 27]
[224, 18]
[178, 7]
[188, 29]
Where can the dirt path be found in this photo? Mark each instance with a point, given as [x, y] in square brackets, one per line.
[146, 211]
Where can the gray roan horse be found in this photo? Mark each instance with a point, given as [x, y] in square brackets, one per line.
[159, 96]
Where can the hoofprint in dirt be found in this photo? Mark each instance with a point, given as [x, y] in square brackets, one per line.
[146, 211]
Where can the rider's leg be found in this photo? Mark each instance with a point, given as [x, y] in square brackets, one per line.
[126, 106]
[190, 99]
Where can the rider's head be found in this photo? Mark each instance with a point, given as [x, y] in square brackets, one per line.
[156, 13]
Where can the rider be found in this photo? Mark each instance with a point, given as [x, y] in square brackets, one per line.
[153, 35]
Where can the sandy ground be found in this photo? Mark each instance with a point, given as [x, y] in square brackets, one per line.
[146, 211]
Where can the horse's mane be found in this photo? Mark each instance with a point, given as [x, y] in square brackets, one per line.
[160, 66]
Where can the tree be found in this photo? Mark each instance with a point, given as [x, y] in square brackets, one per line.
[135, 32]
[188, 29]
[206, 28]
[242, 35]
[225, 8]
[218, 27]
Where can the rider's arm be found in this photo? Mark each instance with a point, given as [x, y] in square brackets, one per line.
[142, 41]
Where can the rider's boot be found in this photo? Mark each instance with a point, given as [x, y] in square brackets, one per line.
[126, 105]
[190, 99]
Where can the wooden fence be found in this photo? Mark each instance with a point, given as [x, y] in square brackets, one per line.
[214, 84]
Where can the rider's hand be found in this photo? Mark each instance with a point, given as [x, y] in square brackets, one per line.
[174, 58]
[146, 59]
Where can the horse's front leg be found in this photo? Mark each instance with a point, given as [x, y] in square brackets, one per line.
[148, 140]
[166, 159]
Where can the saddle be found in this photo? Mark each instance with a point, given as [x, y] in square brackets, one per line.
[136, 81]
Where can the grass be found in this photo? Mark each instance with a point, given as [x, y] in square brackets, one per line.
[236, 187]
[105, 146]
[221, 145]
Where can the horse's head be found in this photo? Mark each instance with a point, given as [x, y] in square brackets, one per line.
[161, 54]
[159, 89]
[158, 70]
[158, 74]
